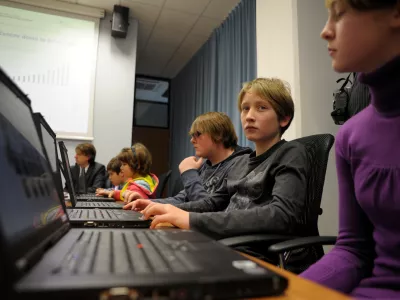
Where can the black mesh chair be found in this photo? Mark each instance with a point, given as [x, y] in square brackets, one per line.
[175, 187]
[162, 184]
[318, 148]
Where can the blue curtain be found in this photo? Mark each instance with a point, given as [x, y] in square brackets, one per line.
[213, 78]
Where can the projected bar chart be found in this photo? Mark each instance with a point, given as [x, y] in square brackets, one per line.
[58, 76]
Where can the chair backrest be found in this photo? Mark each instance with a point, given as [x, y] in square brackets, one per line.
[162, 183]
[318, 147]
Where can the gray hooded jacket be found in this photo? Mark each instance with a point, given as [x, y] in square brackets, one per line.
[201, 183]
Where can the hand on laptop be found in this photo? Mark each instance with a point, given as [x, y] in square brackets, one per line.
[138, 204]
[191, 162]
[102, 192]
[129, 196]
[166, 213]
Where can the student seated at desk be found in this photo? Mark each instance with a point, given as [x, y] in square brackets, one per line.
[364, 37]
[214, 139]
[115, 176]
[87, 175]
[265, 191]
[135, 166]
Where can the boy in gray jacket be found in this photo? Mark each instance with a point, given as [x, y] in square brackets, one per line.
[214, 139]
[265, 191]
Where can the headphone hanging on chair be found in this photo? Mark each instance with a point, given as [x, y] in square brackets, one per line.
[341, 99]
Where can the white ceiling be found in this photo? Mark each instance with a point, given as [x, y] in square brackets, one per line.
[170, 31]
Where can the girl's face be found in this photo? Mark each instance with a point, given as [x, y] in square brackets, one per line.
[361, 41]
[127, 171]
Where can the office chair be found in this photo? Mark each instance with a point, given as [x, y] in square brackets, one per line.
[317, 148]
[175, 187]
[162, 184]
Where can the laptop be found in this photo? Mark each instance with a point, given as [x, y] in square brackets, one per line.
[41, 255]
[102, 216]
[69, 182]
[48, 139]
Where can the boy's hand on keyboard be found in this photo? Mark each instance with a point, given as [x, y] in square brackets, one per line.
[138, 205]
[166, 213]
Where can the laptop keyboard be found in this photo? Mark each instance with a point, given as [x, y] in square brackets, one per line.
[88, 197]
[98, 204]
[119, 252]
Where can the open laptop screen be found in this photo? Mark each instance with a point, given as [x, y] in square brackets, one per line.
[67, 172]
[49, 144]
[29, 199]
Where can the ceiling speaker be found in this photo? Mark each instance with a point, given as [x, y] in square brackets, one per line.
[120, 21]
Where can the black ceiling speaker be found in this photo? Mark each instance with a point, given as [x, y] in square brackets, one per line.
[120, 21]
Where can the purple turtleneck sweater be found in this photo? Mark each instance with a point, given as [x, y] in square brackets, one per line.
[365, 261]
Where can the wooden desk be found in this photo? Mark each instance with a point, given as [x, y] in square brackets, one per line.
[299, 288]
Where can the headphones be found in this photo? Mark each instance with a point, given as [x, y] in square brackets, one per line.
[341, 98]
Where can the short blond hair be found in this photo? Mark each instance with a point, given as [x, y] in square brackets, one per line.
[276, 92]
[218, 125]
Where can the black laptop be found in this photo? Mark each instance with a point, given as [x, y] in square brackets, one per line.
[42, 256]
[48, 138]
[102, 216]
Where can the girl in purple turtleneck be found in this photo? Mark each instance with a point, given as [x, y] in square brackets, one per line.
[364, 36]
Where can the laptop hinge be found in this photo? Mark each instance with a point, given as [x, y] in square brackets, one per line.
[35, 254]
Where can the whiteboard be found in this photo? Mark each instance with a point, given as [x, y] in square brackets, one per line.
[52, 57]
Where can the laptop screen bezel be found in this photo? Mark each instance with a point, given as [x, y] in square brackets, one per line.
[24, 253]
[67, 172]
[40, 121]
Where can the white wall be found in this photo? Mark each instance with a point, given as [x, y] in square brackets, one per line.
[289, 47]
[276, 45]
[318, 81]
[114, 93]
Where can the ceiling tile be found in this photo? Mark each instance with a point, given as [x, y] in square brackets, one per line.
[108, 5]
[162, 53]
[205, 26]
[145, 14]
[143, 36]
[176, 21]
[192, 43]
[220, 9]
[163, 35]
[158, 3]
[69, 1]
[189, 6]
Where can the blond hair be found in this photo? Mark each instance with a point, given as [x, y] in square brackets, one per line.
[276, 92]
[218, 125]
